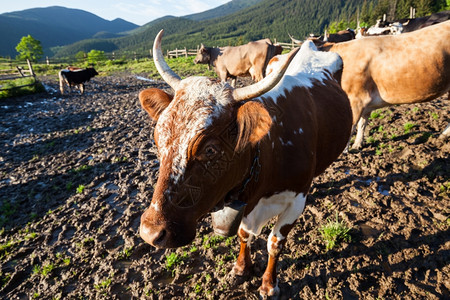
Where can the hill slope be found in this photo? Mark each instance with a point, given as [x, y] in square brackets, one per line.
[267, 18]
[54, 26]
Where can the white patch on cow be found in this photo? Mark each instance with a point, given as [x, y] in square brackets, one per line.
[155, 206]
[307, 66]
[201, 101]
[298, 131]
[288, 206]
[288, 143]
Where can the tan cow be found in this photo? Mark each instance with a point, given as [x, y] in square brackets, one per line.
[259, 146]
[246, 60]
[381, 71]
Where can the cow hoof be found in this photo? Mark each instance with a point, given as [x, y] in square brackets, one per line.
[269, 293]
[234, 279]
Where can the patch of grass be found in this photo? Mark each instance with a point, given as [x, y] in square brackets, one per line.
[5, 248]
[104, 284]
[69, 186]
[43, 270]
[4, 278]
[375, 114]
[173, 260]
[81, 169]
[125, 253]
[407, 127]
[334, 232]
[213, 241]
[370, 140]
[444, 189]
[7, 209]
[80, 189]
[13, 89]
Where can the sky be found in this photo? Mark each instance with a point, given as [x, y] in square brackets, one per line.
[138, 12]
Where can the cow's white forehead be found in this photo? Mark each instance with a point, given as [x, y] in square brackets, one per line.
[197, 102]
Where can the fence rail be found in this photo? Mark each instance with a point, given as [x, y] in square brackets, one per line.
[16, 73]
[114, 56]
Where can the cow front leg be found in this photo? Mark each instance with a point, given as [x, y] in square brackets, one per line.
[269, 286]
[243, 262]
[277, 239]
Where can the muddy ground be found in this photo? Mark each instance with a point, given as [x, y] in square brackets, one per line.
[76, 172]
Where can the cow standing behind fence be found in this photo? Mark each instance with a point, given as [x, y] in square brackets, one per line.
[230, 62]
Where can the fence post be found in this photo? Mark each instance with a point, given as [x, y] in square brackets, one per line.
[150, 53]
[176, 52]
[47, 61]
[185, 52]
[31, 68]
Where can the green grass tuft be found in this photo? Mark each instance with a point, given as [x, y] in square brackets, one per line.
[334, 232]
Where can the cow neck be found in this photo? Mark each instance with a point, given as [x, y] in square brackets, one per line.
[233, 197]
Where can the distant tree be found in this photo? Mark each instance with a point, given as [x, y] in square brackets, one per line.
[423, 8]
[403, 9]
[29, 48]
[95, 56]
[81, 55]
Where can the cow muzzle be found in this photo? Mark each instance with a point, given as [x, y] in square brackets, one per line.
[165, 234]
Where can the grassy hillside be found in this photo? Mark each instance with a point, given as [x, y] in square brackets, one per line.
[267, 18]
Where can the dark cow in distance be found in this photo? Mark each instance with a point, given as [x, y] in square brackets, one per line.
[246, 60]
[418, 23]
[339, 37]
[259, 146]
[75, 77]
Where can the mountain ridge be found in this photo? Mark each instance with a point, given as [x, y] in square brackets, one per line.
[54, 26]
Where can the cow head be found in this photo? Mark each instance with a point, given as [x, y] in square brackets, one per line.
[206, 136]
[92, 72]
[203, 55]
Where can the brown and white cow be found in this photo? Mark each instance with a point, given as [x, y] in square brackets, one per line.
[261, 144]
[382, 71]
[246, 60]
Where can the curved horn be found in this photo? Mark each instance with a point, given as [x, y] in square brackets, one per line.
[163, 68]
[265, 85]
[294, 40]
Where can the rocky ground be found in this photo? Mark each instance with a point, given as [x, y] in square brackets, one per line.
[76, 172]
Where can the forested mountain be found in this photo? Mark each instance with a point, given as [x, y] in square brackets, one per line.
[55, 26]
[267, 18]
[223, 10]
[240, 21]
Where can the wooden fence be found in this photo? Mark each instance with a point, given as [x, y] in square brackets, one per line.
[64, 62]
[182, 52]
[191, 52]
[8, 71]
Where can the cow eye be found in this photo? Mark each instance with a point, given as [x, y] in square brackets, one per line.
[210, 152]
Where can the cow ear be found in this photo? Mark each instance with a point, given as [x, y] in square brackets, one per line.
[254, 123]
[154, 101]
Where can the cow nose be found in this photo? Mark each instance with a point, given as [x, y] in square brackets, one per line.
[155, 237]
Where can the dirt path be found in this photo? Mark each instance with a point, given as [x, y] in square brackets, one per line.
[76, 172]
